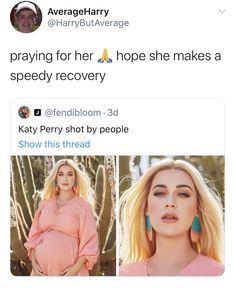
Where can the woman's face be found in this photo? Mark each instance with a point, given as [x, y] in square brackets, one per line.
[65, 178]
[172, 202]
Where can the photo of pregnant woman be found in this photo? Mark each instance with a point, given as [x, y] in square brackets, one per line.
[63, 238]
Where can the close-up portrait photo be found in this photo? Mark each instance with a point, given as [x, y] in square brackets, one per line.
[171, 215]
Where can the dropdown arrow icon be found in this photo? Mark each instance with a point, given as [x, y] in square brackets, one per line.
[222, 10]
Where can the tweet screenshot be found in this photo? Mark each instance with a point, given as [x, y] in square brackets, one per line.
[118, 143]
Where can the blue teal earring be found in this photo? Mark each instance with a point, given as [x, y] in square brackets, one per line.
[195, 229]
[149, 228]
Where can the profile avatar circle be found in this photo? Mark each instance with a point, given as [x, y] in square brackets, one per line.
[26, 17]
[24, 112]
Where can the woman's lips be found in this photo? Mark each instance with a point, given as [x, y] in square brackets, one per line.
[169, 218]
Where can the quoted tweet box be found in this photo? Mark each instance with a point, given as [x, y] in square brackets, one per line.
[117, 126]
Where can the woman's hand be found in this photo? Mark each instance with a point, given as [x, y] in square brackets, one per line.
[36, 267]
[74, 269]
[70, 271]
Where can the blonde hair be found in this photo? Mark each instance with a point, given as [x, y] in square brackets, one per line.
[82, 186]
[135, 244]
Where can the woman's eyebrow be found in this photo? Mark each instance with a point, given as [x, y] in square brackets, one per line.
[159, 186]
[184, 186]
[177, 186]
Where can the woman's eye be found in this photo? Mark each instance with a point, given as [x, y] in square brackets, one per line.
[184, 194]
[159, 194]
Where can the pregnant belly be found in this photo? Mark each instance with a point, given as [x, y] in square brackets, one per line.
[55, 252]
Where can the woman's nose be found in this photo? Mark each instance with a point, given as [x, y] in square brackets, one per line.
[170, 202]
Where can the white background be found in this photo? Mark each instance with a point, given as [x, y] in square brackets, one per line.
[155, 126]
[166, 26]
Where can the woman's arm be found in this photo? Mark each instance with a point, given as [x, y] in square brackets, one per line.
[88, 246]
[35, 231]
[36, 267]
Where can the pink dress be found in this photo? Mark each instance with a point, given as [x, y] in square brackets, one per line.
[61, 235]
[200, 266]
